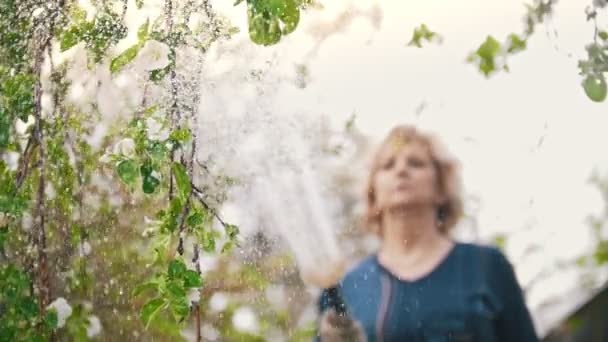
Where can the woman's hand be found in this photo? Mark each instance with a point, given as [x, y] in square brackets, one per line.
[336, 327]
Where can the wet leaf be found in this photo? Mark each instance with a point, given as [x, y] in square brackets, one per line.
[150, 310]
[176, 289]
[231, 231]
[290, 16]
[142, 32]
[51, 319]
[208, 242]
[149, 184]
[69, 38]
[192, 279]
[595, 88]
[150, 285]
[176, 269]
[124, 58]
[180, 136]
[516, 44]
[180, 309]
[182, 181]
[127, 171]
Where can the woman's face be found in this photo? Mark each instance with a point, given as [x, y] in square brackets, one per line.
[406, 177]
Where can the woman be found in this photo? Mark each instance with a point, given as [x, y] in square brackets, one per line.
[421, 285]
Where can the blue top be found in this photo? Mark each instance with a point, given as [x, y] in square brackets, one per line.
[472, 295]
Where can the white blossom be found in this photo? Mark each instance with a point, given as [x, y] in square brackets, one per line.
[152, 56]
[63, 309]
[245, 320]
[218, 302]
[194, 295]
[155, 130]
[125, 147]
[94, 327]
[84, 248]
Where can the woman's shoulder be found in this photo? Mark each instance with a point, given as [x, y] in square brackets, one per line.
[479, 250]
[363, 269]
[490, 260]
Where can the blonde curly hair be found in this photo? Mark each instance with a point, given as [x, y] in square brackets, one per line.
[448, 178]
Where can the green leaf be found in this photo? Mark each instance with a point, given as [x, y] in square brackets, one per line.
[264, 30]
[182, 181]
[290, 16]
[489, 49]
[487, 52]
[208, 242]
[139, 3]
[159, 74]
[192, 279]
[180, 309]
[124, 58]
[69, 38]
[595, 88]
[146, 168]
[27, 307]
[228, 246]
[149, 184]
[150, 285]
[142, 32]
[176, 289]
[79, 15]
[237, 2]
[156, 150]
[4, 133]
[603, 35]
[150, 310]
[176, 269]
[516, 44]
[197, 218]
[231, 231]
[3, 237]
[127, 171]
[51, 319]
[180, 136]
[423, 33]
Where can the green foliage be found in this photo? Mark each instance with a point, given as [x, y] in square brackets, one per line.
[103, 31]
[515, 43]
[15, 37]
[127, 171]
[76, 207]
[423, 33]
[486, 55]
[595, 87]
[269, 20]
[182, 180]
[13, 201]
[129, 54]
[149, 181]
[77, 324]
[170, 291]
[16, 102]
[20, 314]
[594, 69]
